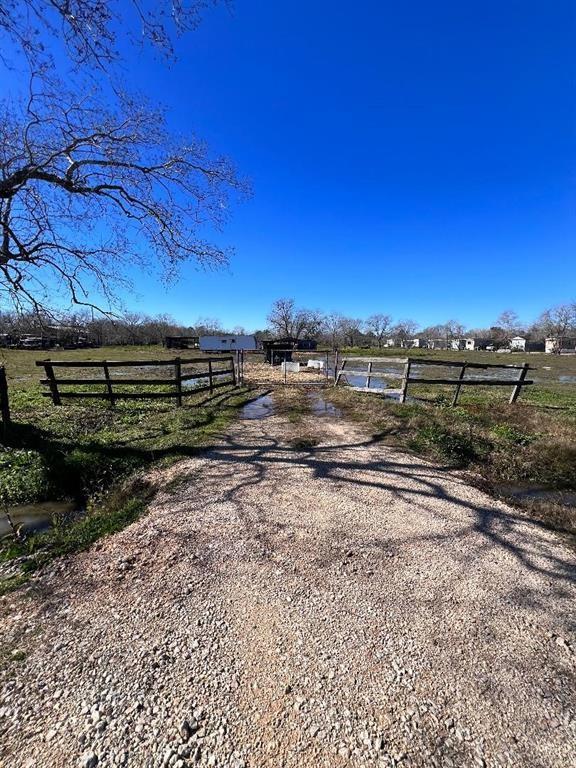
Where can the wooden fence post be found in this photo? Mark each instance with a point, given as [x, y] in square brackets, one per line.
[335, 367]
[459, 386]
[368, 377]
[52, 382]
[518, 386]
[405, 379]
[210, 376]
[235, 379]
[108, 383]
[4, 402]
[178, 375]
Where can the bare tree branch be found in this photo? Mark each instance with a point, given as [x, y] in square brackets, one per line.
[83, 192]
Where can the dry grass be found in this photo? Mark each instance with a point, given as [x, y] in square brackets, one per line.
[507, 448]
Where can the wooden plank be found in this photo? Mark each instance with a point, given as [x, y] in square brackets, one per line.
[373, 374]
[368, 377]
[457, 363]
[108, 384]
[519, 384]
[206, 374]
[52, 383]
[457, 390]
[145, 382]
[178, 375]
[382, 359]
[100, 363]
[131, 363]
[117, 395]
[469, 382]
[405, 381]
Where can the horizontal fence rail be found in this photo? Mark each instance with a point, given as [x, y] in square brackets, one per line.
[460, 381]
[215, 377]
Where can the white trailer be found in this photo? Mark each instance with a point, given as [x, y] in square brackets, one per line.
[227, 343]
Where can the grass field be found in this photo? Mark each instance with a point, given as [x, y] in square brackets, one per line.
[93, 454]
[85, 450]
[524, 453]
[554, 375]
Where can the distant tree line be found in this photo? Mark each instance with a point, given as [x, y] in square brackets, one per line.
[132, 328]
[336, 330]
[286, 319]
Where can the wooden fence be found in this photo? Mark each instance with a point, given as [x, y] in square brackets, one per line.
[4, 402]
[459, 381]
[215, 377]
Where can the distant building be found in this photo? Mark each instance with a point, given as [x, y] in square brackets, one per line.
[226, 343]
[414, 343]
[181, 342]
[439, 344]
[457, 344]
[280, 350]
[560, 344]
[474, 344]
[307, 344]
[522, 344]
[390, 343]
[518, 343]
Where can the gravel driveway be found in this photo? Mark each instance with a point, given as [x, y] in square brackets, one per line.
[346, 605]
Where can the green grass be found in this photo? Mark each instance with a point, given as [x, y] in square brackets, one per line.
[86, 450]
[527, 445]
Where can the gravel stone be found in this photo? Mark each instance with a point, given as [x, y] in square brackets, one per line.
[344, 604]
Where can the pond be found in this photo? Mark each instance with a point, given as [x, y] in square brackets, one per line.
[34, 517]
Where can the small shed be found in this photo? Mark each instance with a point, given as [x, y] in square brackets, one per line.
[307, 345]
[181, 342]
[560, 344]
[277, 351]
[227, 343]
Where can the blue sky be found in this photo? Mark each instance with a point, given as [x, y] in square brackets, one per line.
[411, 158]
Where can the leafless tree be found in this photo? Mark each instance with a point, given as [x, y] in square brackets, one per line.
[351, 329]
[380, 326]
[558, 321]
[88, 29]
[405, 329]
[286, 319]
[453, 329]
[83, 192]
[91, 183]
[332, 328]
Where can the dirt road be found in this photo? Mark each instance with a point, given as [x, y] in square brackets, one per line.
[343, 605]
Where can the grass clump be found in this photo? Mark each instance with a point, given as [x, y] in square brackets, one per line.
[507, 447]
[85, 452]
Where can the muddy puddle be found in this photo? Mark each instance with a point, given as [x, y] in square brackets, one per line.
[261, 408]
[34, 517]
[322, 407]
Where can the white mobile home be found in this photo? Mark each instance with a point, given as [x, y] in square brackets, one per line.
[560, 344]
[227, 343]
[438, 343]
[518, 343]
[474, 344]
